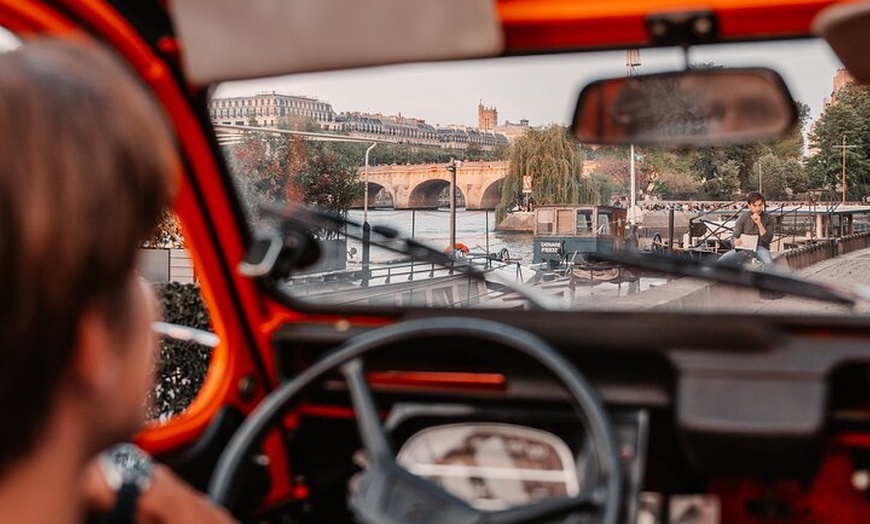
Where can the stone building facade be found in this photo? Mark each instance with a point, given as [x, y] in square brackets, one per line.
[272, 109]
[269, 109]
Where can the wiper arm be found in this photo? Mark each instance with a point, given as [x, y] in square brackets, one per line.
[298, 217]
[305, 217]
[768, 280]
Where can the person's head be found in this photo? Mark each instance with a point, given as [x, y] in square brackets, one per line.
[86, 167]
[755, 201]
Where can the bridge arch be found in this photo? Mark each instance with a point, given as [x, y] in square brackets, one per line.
[432, 194]
[378, 194]
[409, 185]
[427, 194]
[491, 196]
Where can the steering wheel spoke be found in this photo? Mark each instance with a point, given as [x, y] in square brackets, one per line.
[371, 430]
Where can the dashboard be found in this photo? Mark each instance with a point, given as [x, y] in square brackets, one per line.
[687, 405]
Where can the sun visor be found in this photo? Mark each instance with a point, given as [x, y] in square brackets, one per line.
[236, 39]
[845, 28]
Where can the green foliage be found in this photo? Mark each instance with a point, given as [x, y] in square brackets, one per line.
[604, 185]
[848, 119]
[792, 145]
[388, 154]
[259, 168]
[555, 164]
[780, 178]
[326, 178]
[669, 174]
[278, 168]
[183, 365]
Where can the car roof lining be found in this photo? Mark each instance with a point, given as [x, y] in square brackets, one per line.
[232, 40]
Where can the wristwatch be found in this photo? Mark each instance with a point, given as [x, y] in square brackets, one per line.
[127, 470]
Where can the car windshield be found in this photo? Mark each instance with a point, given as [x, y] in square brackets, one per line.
[374, 152]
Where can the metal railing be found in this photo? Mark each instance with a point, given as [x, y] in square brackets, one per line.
[822, 249]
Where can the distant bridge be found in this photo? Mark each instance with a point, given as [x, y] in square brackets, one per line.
[407, 186]
[421, 185]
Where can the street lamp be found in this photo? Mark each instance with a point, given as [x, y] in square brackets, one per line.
[452, 167]
[366, 228]
[366, 191]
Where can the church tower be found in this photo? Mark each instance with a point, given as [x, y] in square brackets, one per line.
[487, 117]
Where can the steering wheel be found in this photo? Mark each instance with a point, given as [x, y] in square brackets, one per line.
[386, 492]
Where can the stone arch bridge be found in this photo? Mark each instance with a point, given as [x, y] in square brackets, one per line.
[478, 184]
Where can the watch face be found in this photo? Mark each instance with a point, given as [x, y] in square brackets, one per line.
[126, 463]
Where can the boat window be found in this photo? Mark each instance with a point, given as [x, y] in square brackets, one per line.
[564, 222]
[545, 221]
[604, 219]
[584, 221]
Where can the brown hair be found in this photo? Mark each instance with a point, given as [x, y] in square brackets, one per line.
[753, 197]
[86, 167]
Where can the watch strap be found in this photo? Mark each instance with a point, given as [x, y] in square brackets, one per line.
[124, 510]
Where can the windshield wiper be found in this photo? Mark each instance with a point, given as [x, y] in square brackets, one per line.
[738, 275]
[298, 222]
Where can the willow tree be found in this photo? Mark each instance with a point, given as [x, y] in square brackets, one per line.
[554, 163]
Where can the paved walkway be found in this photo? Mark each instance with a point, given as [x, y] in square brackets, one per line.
[691, 295]
[849, 271]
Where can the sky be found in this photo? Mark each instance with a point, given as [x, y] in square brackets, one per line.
[542, 90]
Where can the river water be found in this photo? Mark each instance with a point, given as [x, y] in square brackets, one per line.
[475, 229]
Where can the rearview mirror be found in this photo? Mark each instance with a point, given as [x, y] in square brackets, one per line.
[687, 108]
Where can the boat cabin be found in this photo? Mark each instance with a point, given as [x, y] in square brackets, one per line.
[565, 232]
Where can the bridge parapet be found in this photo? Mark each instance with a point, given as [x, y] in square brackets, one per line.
[420, 185]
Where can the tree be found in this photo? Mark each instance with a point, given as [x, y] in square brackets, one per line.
[474, 152]
[847, 119]
[670, 173]
[780, 177]
[615, 168]
[792, 145]
[257, 168]
[325, 179]
[278, 168]
[724, 181]
[554, 162]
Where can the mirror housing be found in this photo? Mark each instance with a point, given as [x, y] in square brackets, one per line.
[844, 27]
[696, 107]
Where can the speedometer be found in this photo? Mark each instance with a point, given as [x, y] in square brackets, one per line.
[492, 466]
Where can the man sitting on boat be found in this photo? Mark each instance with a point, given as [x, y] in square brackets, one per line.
[752, 233]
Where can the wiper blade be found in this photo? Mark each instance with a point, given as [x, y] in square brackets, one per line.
[298, 216]
[308, 217]
[737, 275]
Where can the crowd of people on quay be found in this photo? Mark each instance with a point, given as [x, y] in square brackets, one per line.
[699, 206]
